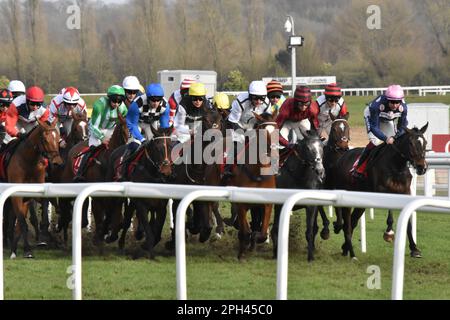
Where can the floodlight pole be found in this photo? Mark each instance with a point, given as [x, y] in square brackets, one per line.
[293, 56]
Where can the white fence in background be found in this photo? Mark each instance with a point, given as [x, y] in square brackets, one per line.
[421, 91]
[188, 193]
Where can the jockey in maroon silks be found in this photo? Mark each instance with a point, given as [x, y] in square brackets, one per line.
[177, 96]
[297, 114]
[6, 98]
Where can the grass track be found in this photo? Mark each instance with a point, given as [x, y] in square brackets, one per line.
[214, 273]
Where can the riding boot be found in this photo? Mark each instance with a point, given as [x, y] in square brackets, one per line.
[83, 165]
[359, 171]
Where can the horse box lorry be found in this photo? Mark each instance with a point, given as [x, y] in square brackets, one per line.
[171, 80]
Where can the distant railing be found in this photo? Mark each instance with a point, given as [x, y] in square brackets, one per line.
[421, 91]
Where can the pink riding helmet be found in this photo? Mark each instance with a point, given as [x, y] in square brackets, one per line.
[394, 92]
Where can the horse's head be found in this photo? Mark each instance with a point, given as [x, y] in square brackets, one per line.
[310, 150]
[48, 143]
[121, 133]
[79, 129]
[158, 151]
[211, 119]
[412, 145]
[339, 134]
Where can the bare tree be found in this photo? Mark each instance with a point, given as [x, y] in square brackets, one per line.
[11, 11]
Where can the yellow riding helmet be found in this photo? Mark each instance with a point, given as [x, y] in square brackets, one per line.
[221, 101]
[141, 89]
[197, 89]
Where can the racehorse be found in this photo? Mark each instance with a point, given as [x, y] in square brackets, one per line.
[193, 172]
[256, 174]
[77, 133]
[95, 172]
[303, 169]
[151, 164]
[336, 146]
[388, 172]
[27, 164]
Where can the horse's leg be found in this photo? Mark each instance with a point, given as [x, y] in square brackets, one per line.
[33, 218]
[100, 227]
[21, 210]
[232, 221]
[141, 213]
[84, 216]
[45, 223]
[204, 211]
[170, 245]
[220, 229]
[264, 231]
[274, 231]
[160, 219]
[347, 228]
[415, 252]
[388, 235]
[115, 210]
[244, 229]
[357, 213]
[12, 218]
[325, 233]
[128, 215]
[311, 217]
[338, 224]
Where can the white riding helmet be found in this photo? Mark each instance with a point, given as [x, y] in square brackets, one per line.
[131, 83]
[16, 86]
[71, 95]
[257, 88]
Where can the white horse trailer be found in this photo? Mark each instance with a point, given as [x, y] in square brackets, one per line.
[171, 80]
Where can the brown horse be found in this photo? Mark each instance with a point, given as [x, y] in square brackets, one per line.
[27, 164]
[95, 172]
[388, 172]
[255, 174]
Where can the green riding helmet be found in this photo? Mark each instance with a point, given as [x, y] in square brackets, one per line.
[116, 90]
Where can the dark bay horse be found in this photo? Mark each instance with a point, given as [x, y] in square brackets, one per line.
[256, 174]
[151, 164]
[95, 172]
[27, 164]
[336, 146]
[194, 169]
[303, 169]
[388, 172]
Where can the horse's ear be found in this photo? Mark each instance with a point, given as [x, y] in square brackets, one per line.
[258, 117]
[275, 114]
[424, 128]
[121, 117]
[155, 131]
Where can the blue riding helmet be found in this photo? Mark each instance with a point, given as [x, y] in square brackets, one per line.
[154, 90]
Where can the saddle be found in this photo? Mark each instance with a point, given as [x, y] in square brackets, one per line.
[92, 157]
[131, 163]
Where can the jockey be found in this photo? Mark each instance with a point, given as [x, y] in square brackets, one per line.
[132, 87]
[146, 111]
[22, 114]
[296, 115]
[62, 107]
[190, 112]
[102, 123]
[275, 95]
[241, 115]
[6, 98]
[330, 102]
[222, 103]
[177, 96]
[17, 88]
[385, 118]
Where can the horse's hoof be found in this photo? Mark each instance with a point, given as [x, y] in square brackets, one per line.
[13, 256]
[42, 244]
[355, 259]
[28, 255]
[111, 238]
[389, 236]
[325, 234]
[416, 253]
[337, 227]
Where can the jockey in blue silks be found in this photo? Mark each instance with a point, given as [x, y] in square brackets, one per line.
[145, 112]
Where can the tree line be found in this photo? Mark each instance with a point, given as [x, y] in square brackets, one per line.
[241, 40]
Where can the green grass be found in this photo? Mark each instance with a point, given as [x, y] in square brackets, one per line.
[213, 271]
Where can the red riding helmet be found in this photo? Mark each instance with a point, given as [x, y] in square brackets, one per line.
[302, 94]
[71, 95]
[35, 94]
[6, 97]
